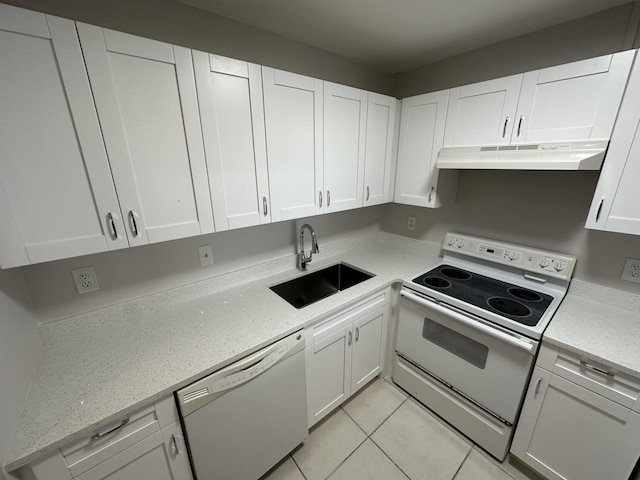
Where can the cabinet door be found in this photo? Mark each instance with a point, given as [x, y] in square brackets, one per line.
[176, 451]
[145, 459]
[345, 122]
[616, 201]
[57, 198]
[231, 109]
[422, 127]
[568, 432]
[146, 99]
[572, 102]
[367, 353]
[327, 360]
[482, 113]
[293, 117]
[379, 161]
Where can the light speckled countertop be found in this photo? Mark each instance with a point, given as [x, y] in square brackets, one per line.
[100, 366]
[601, 323]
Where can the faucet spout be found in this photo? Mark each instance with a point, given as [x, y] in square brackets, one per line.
[302, 257]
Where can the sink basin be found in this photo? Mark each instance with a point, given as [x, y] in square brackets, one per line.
[305, 290]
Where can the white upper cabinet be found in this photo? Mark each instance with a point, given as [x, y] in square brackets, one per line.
[616, 201]
[293, 116]
[345, 126]
[482, 113]
[231, 110]
[145, 96]
[422, 125]
[572, 102]
[57, 197]
[576, 101]
[380, 148]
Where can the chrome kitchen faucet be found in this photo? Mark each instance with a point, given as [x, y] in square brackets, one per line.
[302, 258]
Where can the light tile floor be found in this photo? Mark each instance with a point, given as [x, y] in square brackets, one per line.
[382, 434]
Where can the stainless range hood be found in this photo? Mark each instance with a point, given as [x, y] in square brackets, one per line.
[539, 156]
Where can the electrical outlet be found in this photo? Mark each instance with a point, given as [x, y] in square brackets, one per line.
[206, 255]
[411, 223]
[631, 271]
[85, 279]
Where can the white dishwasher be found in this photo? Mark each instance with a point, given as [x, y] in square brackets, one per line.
[242, 420]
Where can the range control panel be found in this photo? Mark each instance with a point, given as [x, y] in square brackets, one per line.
[530, 259]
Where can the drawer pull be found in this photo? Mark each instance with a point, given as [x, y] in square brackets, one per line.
[99, 435]
[596, 369]
[174, 442]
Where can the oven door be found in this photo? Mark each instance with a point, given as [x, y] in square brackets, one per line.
[487, 364]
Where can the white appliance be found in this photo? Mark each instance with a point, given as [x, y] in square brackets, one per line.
[243, 419]
[469, 329]
[539, 156]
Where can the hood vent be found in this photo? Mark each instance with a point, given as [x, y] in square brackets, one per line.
[539, 156]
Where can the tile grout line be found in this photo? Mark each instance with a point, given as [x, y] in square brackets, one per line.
[462, 463]
[298, 467]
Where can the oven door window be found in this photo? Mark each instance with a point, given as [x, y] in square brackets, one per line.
[461, 346]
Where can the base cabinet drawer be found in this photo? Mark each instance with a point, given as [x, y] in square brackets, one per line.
[567, 432]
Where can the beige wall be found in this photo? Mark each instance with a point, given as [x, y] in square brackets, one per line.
[591, 36]
[20, 351]
[173, 22]
[540, 209]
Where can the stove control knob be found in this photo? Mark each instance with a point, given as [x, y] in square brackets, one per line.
[543, 262]
[560, 266]
[459, 242]
[512, 254]
[451, 241]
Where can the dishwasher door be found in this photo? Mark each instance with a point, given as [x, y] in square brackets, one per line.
[243, 419]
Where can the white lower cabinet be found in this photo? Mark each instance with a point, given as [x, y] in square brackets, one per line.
[580, 420]
[344, 352]
[147, 444]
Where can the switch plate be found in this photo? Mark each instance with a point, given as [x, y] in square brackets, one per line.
[631, 271]
[206, 255]
[85, 279]
[411, 223]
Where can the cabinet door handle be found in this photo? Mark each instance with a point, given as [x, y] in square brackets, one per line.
[320, 198]
[134, 225]
[430, 194]
[367, 193]
[599, 209]
[174, 444]
[99, 435]
[504, 128]
[357, 333]
[520, 125]
[328, 198]
[350, 338]
[264, 206]
[538, 383]
[112, 225]
[596, 369]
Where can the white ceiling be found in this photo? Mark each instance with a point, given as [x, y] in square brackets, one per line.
[398, 35]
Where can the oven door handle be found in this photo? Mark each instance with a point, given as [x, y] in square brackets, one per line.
[505, 337]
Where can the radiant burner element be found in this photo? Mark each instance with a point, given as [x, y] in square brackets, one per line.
[524, 294]
[455, 273]
[509, 307]
[437, 282]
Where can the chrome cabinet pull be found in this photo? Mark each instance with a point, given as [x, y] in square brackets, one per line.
[112, 224]
[350, 338]
[328, 198]
[134, 224]
[520, 125]
[99, 435]
[538, 383]
[264, 206]
[320, 198]
[367, 193]
[599, 209]
[357, 333]
[504, 129]
[596, 369]
[174, 443]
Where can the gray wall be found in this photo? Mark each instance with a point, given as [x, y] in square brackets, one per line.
[173, 22]
[20, 351]
[591, 36]
[540, 209]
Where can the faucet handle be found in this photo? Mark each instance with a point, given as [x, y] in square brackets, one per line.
[315, 248]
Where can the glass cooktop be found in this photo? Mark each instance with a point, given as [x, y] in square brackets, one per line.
[511, 301]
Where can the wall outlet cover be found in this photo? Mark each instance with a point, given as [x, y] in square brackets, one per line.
[85, 279]
[411, 223]
[631, 271]
[206, 255]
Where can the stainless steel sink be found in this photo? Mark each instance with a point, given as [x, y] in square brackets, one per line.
[305, 290]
